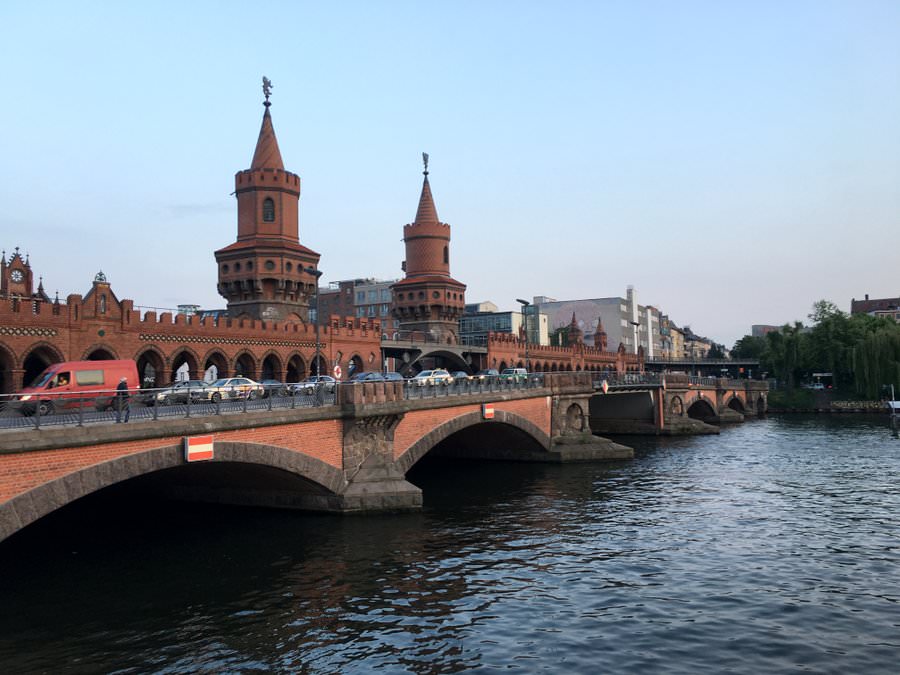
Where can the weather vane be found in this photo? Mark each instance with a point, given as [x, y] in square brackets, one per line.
[425, 160]
[267, 90]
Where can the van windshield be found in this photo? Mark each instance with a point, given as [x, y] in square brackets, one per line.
[42, 379]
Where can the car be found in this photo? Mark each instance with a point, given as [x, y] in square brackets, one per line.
[273, 388]
[462, 376]
[487, 374]
[435, 377]
[308, 386]
[514, 375]
[229, 388]
[367, 377]
[393, 377]
[177, 392]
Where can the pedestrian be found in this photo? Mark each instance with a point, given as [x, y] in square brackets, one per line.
[122, 401]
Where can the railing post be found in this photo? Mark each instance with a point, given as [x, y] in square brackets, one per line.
[188, 414]
[37, 413]
[80, 413]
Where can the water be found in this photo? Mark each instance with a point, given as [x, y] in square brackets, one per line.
[771, 548]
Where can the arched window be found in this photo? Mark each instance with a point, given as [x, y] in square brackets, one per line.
[446, 255]
[268, 210]
[103, 303]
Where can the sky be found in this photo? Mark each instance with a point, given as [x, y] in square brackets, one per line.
[735, 162]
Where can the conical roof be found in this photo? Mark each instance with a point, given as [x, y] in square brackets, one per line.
[426, 214]
[267, 155]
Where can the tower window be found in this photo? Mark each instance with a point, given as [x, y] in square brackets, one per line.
[103, 304]
[269, 213]
[446, 255]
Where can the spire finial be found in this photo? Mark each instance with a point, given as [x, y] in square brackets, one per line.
[425, 162]
[267, 90]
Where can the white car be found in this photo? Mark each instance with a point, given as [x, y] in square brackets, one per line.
[229, 388]
[438, 376]
[308, 386]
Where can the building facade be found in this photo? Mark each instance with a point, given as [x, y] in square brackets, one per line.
[886, 307]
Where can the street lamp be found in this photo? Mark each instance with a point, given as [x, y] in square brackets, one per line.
[525, 304]
[316, 273]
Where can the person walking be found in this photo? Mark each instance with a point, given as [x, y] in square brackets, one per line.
[122, 404]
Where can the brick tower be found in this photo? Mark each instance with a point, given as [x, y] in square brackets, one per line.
[263, 275]
[428, 299]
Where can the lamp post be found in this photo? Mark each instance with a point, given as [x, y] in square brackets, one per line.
[316, 273]
[525, 304]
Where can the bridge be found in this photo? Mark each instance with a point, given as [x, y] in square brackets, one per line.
[672, 403]
[349, 455]
[702, 366]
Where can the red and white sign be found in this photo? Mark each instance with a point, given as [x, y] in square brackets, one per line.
[604, 386]
[198, 448]
[337, 371]
[487, 411]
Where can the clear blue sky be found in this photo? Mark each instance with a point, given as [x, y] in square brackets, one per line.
[734, 161]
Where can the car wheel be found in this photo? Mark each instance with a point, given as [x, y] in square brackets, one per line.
[46, 408]
[253, 395]
[215, 397]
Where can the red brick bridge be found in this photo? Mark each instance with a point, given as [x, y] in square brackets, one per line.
[352, 456]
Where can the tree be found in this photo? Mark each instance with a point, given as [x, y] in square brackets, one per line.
[749, 347]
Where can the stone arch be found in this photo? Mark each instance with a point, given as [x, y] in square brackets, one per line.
[574, 418]
[272, 368]
[151, 367]
[244, 364]
[296, 368]
[319, 366]
[27, 507]
[421, 447]
[181, 357]
[578, 368]
[676, 407]
[215, 365]
[503, 366]
[701, 409]
[36, 359]
[736, 404]
[7, 365]
[99, 352]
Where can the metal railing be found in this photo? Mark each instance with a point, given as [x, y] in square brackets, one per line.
[78, 409]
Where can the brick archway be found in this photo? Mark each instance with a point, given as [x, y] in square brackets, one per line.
[31, 505]
[421, 447]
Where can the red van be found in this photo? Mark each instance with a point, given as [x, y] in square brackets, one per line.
[71, 384]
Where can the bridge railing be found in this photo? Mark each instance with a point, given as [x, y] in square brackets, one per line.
[109, 406]
[613, 379]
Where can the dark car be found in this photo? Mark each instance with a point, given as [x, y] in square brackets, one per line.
[487, 375]
[367, 377]
[273, 388]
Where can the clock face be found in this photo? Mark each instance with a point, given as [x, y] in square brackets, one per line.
[17, 276]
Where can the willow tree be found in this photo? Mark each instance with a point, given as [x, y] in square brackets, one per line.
[876, 361]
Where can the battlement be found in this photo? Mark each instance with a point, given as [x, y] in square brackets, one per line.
[266, 178]
[439, 229]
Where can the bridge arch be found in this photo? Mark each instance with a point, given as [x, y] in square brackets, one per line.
[736, 404]
[214, 358]
[245, 364]
[505, 425]
[296, 368]
[37, 357]
[322, 484]
[183, 356]
[7, 365]
[702, 410]
[150, 367]
[271, 368]
[99, 352]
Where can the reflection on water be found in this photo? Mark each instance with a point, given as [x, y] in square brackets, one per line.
[769, 548]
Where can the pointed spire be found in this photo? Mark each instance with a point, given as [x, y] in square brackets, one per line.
[426, 213]
[41, 283]
[267, 155]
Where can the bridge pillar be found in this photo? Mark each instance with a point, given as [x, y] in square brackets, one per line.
[570, 430]
[374, 481]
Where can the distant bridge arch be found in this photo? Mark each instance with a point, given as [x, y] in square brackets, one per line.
[473, 436]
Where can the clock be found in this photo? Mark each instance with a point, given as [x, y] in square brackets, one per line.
[17, 276]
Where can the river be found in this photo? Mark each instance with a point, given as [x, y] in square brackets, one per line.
[771, 548]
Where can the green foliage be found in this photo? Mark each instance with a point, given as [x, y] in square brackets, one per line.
[861, 352]
[716, 352]
[791, 398]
